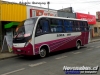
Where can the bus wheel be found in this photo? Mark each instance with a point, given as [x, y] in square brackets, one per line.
[43, 52]
[78, 45]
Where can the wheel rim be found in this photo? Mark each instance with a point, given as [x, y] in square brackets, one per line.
[78, 45]
[42, 52]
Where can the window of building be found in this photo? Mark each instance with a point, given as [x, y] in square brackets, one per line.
[95, 29]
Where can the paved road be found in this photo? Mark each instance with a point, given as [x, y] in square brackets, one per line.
[53, 65]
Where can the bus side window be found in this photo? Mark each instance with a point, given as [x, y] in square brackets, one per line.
[81, 26]
[66, 25]
[52, 25]
[39, 28]
[56, 25]
[42, 27]
[70, 26]
[74, 26]
[45, 26]
[86, 26]
[59, 26]
[78, 26]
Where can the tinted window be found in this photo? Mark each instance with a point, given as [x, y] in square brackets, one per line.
[42, 27]
[68, 25]
[56, 25]
[78, 26]
[85, 24]
[81, 26]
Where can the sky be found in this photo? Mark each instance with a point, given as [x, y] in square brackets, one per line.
[82, 6]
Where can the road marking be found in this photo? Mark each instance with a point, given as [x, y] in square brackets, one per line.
[61, 57]
[98, 47]
[13, 71]
[89, 49]
[76, 52]
[37, 64]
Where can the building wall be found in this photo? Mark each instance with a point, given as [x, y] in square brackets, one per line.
[68, 10]
[98, 15]
[96, 29]
[13, 12]
[38, 11]
[65, 14]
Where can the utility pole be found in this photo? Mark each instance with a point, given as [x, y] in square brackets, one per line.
[48, 8]
[0, 24]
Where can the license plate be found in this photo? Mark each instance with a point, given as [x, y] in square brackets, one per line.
[18, 50]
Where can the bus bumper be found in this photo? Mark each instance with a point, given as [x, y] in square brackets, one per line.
[28, 50]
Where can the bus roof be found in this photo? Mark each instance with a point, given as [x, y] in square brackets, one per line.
[59, 18]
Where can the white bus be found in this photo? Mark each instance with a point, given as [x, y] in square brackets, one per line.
[44, 34]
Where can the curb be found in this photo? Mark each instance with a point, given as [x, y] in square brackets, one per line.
[8, 57]
[95, 40]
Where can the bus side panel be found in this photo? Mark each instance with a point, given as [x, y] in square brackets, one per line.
[83, 38]
[70, 43]
[55, 43]
[67, 43]
[86, 37]
[58, 44]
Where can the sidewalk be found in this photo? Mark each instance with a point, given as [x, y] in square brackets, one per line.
[10, 55]
[6, 55]
[94, 39]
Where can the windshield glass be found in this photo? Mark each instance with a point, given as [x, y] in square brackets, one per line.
[25, 28]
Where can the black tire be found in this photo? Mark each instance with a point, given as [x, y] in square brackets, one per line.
[78, 45]
[43, 52]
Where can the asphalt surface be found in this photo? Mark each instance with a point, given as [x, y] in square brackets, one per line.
[88, 55]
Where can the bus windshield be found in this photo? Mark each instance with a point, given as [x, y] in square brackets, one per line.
[25, 28]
